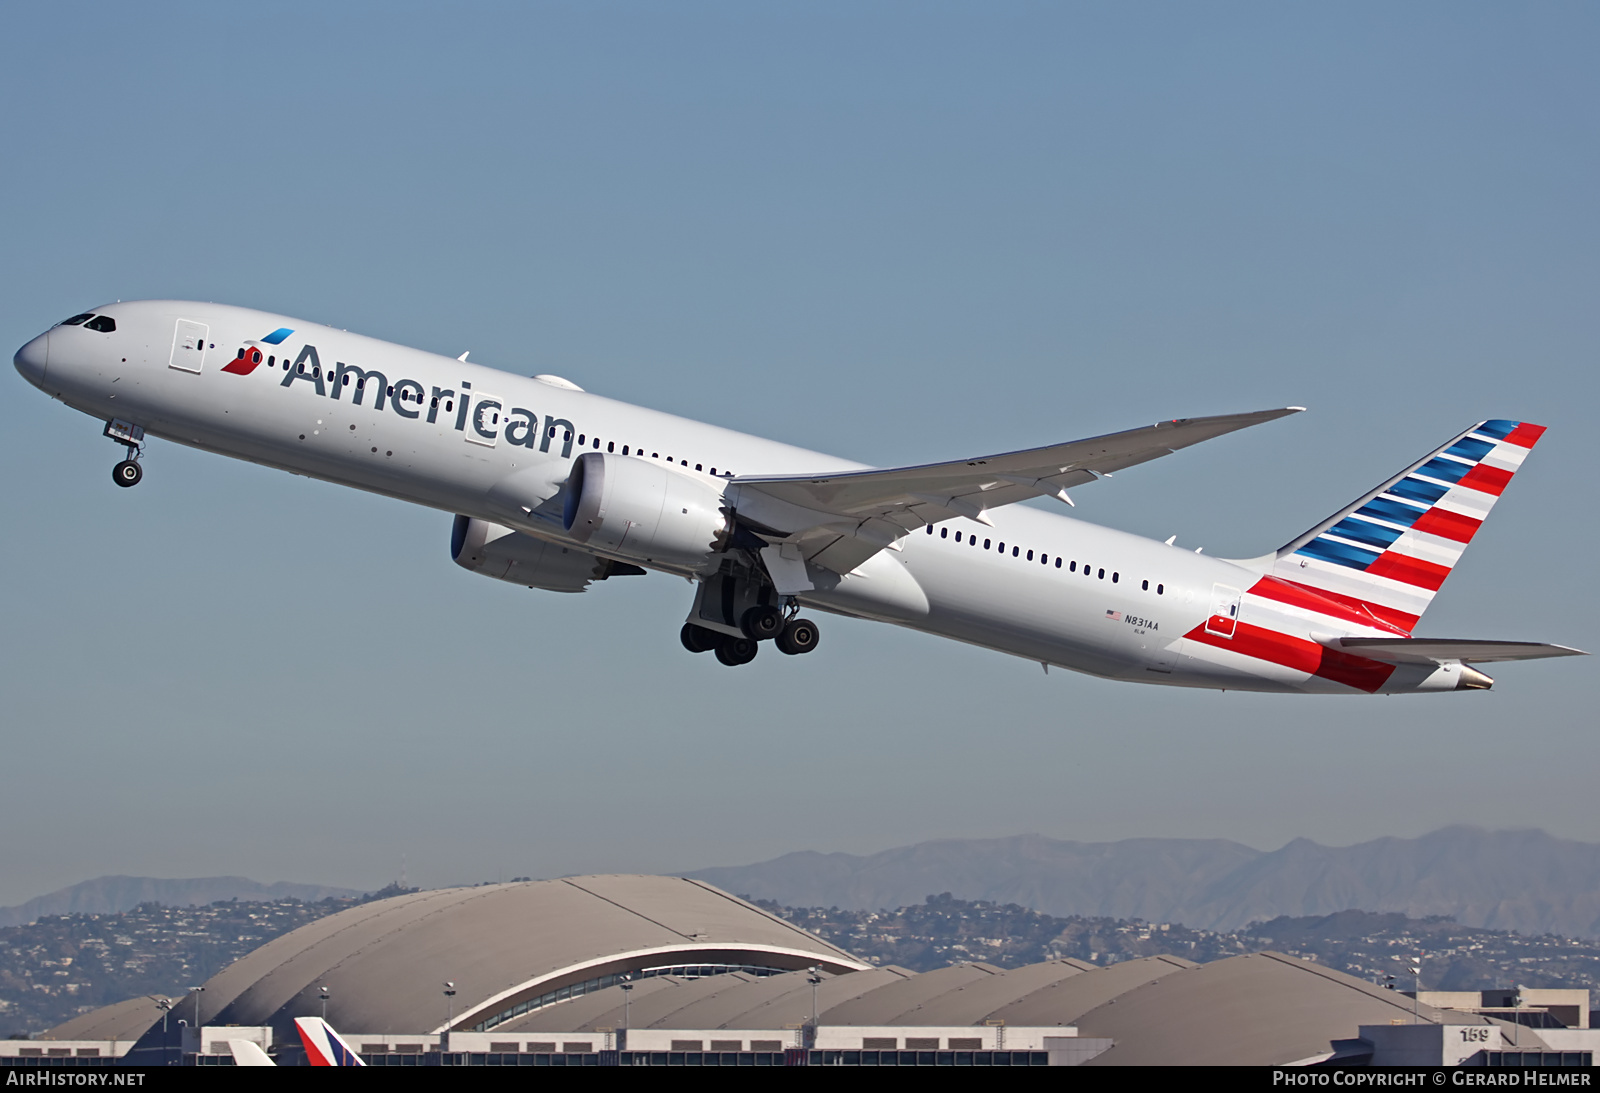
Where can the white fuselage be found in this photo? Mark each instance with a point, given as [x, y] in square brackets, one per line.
[1105, 602]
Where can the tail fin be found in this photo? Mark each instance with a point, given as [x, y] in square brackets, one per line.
[325, 1047]
[248, 1053]
[1384, 556]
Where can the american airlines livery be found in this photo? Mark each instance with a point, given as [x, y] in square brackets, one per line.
[556, 488]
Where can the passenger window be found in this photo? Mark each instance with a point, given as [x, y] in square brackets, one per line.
[76, 319]
[929, 529]
[988, 543]
[1114, 577]
[698, 467]
[105, 324]
[624, 449]
[713, 470]
[1144, 586]
[1161, 590]
[1015, 551]
[611, 445]
[1030, 555]
[1058, 562]
[1102, 574]
[272, 362]
[581, 440]
[1002, 548]
[972, 539]
[1073, 568]
[944, 533]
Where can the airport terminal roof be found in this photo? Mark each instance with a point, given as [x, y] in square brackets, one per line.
[385, 962]
[126, 1020]
[1259, 1009]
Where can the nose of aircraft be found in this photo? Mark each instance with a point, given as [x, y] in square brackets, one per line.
[32, 359]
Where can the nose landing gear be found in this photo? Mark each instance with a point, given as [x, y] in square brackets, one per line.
[131, 437]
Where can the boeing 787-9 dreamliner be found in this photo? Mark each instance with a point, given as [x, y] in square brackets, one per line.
[556, 488]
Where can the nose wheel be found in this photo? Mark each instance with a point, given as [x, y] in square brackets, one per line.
[131, 437]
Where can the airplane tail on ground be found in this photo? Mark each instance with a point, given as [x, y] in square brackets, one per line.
[248, 1053]
[325, 1047]
[1382, 558]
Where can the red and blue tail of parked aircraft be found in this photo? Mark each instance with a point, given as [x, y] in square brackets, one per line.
[324, 1046]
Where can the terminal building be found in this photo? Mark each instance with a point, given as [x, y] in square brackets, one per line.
[664, 971]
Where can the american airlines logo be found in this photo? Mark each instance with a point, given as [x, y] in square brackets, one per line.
[489, 419]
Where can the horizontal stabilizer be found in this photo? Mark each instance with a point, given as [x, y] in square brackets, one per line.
[1441, 650]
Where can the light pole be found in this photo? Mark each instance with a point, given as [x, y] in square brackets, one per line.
[814, 976]
[165, 1005]
[1416, 987]
[450, 996]
[197, 992]
[627, 994]
[322, 992]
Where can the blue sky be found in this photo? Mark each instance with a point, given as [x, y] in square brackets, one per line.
[897, 232]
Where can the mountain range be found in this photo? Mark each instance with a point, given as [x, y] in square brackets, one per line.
[108, 895]
[1527, 881]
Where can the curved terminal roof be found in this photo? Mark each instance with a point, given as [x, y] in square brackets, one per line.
[125, 1020]
[1066, 999]
[729, 1001]
[1262, 1009]
[384, 962]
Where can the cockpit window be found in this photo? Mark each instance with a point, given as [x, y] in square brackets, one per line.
[76, 319]
[103, 323]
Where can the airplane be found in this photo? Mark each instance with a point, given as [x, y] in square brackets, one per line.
[556, 488]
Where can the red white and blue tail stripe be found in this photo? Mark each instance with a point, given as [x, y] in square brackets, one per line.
[325, 1047]
[1380, 560]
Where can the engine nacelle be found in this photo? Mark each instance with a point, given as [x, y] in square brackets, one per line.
[507, 555]
[642, 510]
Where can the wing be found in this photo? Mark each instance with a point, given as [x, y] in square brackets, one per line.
[840, 520]
[1437, 650]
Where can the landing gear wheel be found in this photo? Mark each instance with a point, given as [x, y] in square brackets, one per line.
[697, 639]
[127, 473]
[799, 636]
[761, 623]
[736, 651]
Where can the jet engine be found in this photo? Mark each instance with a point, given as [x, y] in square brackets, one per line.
[640, 509]
[506, 555]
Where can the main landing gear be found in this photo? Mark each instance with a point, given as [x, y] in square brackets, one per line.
[765, 622]
[131, 437]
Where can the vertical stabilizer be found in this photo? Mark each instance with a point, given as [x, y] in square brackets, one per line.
[1383, 557]
[325, 1047]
